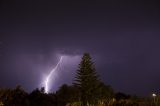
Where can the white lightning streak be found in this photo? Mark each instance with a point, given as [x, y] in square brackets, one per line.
[50, 74]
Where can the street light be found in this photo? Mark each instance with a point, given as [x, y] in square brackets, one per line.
[154, 97]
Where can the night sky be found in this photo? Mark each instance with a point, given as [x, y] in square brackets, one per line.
[122, 36]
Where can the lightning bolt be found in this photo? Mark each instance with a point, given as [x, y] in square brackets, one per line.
[50, 74]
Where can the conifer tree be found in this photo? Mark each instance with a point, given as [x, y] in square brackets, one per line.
[87, 80]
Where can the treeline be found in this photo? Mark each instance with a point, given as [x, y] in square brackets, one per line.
[38, 97]
[65, 96]
[87, 90]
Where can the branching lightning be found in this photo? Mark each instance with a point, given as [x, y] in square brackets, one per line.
[50, 74]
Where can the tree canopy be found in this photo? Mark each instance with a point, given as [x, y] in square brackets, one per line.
[87, 80]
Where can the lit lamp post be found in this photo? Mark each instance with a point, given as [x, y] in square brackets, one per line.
[154, 98]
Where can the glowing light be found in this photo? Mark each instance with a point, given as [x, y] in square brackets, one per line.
[50, 74]
[154, 95]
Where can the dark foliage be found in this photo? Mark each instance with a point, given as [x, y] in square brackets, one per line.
[120, 96]
[87, 80]
[67, 94]
[39, 98]
[14, 97]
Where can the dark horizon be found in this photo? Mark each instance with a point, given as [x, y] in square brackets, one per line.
[121, 36]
